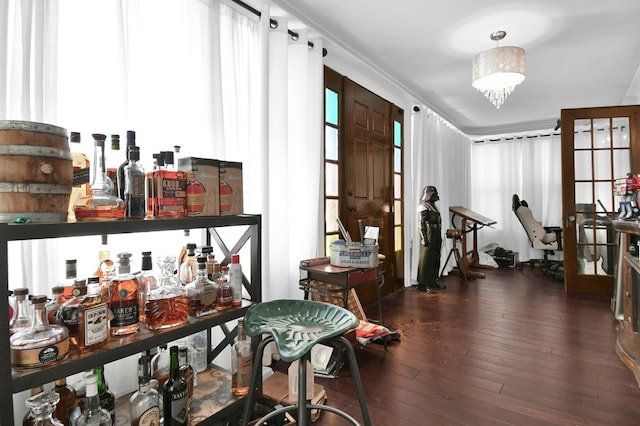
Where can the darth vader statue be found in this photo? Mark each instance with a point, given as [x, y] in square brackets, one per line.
[430, 227]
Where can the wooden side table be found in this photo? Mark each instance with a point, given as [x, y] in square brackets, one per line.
[341, 279]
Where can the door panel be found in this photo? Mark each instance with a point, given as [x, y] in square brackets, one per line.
[597, 148]
[368, 173]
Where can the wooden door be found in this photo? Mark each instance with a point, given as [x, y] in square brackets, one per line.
[368, 157]
[598, 146]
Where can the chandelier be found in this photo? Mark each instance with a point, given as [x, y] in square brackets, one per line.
[496, 72]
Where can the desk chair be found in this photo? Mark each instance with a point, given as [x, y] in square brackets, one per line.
[296, 326]
[547, 239]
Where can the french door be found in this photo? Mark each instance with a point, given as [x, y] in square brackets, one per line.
[599, 145]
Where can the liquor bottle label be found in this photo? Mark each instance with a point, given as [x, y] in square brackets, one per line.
[95, 326]
[172, 196]
[208, 296]
[124, 313]
[151, 417]
[37, 357]
[179, 407]
[81, 176]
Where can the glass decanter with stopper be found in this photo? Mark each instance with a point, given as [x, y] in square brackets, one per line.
[101, 204]
[41, 407]
[167, 305]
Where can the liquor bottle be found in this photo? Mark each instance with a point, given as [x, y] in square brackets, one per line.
[226, 193]
[52, 306]
[241, 363]
[198, 341]
[67, 400]
[225, 292]
[22, 315]
[111, 161]
[201, 292]
[186, 372]
[174, 394]
[70, 274]
[134, 185]
[160, 364]
[131, 141]
[29, 418]
[106, 397]
[152, 196]
[93, 413]
[41, 407]
[167, 305]
[123, 299]
[207, 251]
[81, 175]
[106, 269]
[196, 193]
[147, 282]
[93, 321]
[12, 306]
[144, 404]
[183, 250]
[101, 204]
[170, 190]
[42, 343]
[235, 279]
[69, 313]
[189, 266]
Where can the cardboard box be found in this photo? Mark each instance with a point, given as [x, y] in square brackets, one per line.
[276, 388]
[355, 255]
[207, 173]
[231, 194]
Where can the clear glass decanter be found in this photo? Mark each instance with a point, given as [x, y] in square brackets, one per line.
[101, 204]
[42, 406]
[167, 305]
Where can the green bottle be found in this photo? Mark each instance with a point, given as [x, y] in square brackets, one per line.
[175, 394]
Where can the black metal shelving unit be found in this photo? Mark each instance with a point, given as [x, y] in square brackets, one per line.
[118, 348]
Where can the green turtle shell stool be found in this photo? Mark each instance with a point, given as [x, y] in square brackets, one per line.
[295, 326]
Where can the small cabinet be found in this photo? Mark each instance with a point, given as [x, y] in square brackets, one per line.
[248, 235]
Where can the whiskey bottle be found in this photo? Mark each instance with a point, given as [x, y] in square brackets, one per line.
[183, 250]
[225, 292]
[167, 305]
[160, 364]
[131, 141]
[189, 266]
[93, 414]
[186, 372]
[235, 279]
[201, 292]
[67, 400]
[41, 407]
[134, 185]
[241, 363]
[93, 318]
[106, 269]
[144, 404]
[111, 161]
[123, 299]
[42, 343]
[70, 274]
[106, 397]
[22, 315]
[81, 175]
[52, 306]
[152, 196]
[207, 251]
[147, 281]
[69, 313]
[101, 204]
[170, 189]
[174, 394]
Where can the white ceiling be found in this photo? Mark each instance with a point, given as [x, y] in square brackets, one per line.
[579, 53]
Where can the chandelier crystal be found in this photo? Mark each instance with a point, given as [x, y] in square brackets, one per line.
[496, 72]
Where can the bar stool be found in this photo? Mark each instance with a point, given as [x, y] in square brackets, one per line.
[296, 326]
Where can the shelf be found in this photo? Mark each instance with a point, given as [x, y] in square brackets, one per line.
[211, 397]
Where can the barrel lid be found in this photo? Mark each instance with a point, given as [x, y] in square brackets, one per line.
[32, 126]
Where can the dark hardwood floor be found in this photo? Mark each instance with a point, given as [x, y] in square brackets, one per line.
[510, 349]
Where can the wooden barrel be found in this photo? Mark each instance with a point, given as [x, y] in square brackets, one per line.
[36, 172]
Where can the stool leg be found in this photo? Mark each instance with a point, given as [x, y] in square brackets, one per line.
[353, 365]
[249, 400]
[304, 414]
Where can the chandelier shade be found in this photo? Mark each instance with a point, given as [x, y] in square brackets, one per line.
[497, 71]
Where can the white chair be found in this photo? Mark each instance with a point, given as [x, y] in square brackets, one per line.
[547, 239]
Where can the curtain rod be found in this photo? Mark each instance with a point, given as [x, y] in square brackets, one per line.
[273, 23]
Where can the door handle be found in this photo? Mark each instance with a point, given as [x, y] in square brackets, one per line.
[570, 219]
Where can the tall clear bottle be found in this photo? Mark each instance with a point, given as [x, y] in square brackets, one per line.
[201, 292]
[41, 344]
[134, 185]
[144, 404]
[111, 164]
[101, 204]
[131, 141]
[175, 394]
[123, 299]
[241, 363]
[81, 174]
[41, 407]
[93, 414]
[106, 269]
[22, 315]
[189, 266]
[167, 306]
[147, 282]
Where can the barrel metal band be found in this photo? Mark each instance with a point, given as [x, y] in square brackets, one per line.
[32, 126]
[35, 188]
[35, 151]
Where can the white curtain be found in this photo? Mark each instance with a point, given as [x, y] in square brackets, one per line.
[295, 87]
[527, 166]
[439, 155]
